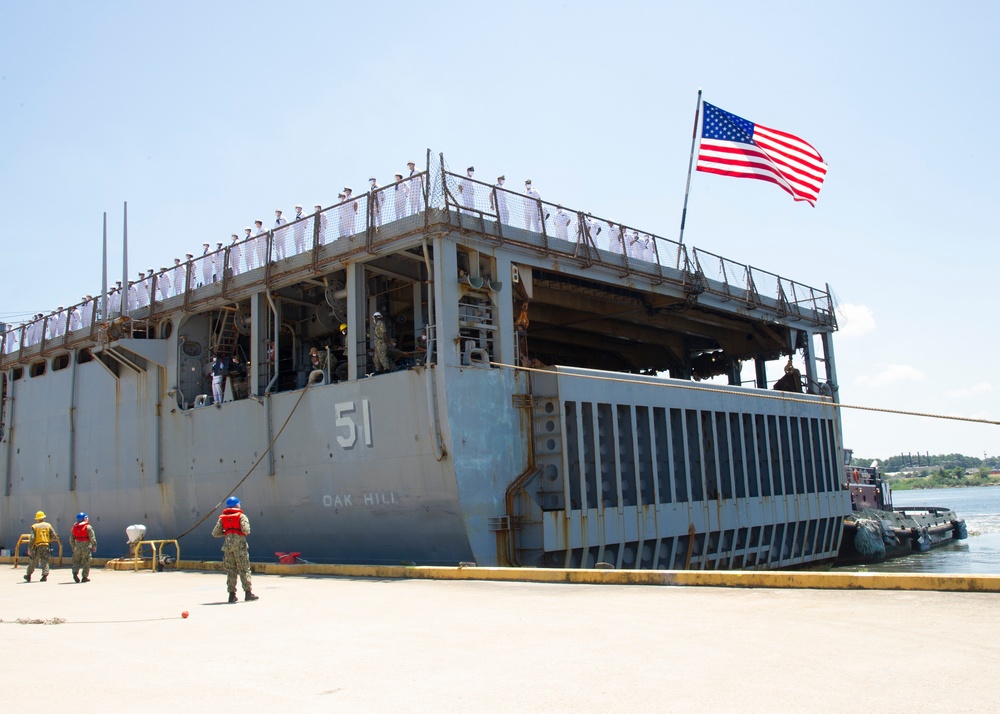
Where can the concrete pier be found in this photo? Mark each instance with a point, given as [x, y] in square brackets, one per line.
[357, 644]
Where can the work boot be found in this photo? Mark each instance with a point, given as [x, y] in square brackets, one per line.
[76, 578]
[249, 596]
[27, 578]
[44, 578]
[232, 597]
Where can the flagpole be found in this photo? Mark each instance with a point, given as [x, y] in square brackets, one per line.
[104, 273]
[687, 187]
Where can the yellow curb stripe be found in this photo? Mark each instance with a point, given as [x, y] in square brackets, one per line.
[818, 580]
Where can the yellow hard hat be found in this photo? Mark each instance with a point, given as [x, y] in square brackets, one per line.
[39, 516]
[343, 326]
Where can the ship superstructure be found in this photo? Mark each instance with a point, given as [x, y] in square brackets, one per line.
[548, 405]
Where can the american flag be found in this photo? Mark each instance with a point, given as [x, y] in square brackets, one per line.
[733, 146]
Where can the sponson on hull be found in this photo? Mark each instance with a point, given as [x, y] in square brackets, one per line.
[546, 402]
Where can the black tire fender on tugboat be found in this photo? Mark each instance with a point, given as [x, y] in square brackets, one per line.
[919, 540]
[960, 531]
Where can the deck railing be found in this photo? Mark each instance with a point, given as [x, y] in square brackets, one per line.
[355, 224]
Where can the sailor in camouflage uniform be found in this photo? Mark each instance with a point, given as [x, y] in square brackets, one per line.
[234, 526]
[382, 363]
[39, 538]
[84, 543]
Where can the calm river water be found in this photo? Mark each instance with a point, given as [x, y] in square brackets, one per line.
[979, 554]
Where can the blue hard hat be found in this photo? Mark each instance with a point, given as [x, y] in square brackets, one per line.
[232, 502]
[81, 516]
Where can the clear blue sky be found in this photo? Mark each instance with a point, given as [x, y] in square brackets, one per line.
[204, 116]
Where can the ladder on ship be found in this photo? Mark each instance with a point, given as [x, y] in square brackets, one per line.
[225, 335]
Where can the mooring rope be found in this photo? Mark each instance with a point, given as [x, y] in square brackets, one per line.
[215, 508]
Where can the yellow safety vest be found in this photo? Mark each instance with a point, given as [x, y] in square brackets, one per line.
[42, 533]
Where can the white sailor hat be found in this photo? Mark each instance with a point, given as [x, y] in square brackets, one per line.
[399, 176]
[248, 228]
[258, 221]
[527, 182]
[339, 195]
[235, 235]
[348, 189]
[298, 205]
[205, 245]
[189, 255]
[501, 178]
[377, 315]
[411, 163]
[277, 210]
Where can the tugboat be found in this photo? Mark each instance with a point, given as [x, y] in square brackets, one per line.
[875, 530]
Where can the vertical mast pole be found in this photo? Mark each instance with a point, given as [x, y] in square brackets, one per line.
[687, 187]
[125, 263]
[104, 273]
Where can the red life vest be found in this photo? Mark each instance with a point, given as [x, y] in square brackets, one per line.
[231, 521]
[80, 531]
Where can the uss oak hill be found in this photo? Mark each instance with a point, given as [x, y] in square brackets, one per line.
[547, 407]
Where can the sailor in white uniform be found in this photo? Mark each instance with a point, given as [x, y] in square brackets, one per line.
[235, 255]
[204, 265]
[279, 235]
[142, 290]
[532, 214]
[500, 205]
[415, 183]
[260, 242]
[133, 297]
[632, 245]
[467, 190]
[615, 239]
[218, 259]
[593, 230]
[299, 231]
[247, 248]
[323, 221]
[648, 252]
[56, 322]
[177, 276]
[189, 269]
[87, 311]
[348, 213]
[561, 221]
[401, 196]
[163, 284]
[115, 300]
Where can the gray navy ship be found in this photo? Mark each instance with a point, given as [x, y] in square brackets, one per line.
[565, 391]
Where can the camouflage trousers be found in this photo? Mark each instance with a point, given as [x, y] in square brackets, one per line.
[382, 357]
[39, 554]
[81, 557]
[236, 561]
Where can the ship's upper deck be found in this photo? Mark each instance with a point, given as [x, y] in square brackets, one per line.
[571, 250]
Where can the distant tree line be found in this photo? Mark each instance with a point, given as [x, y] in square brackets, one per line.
[954, 463]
